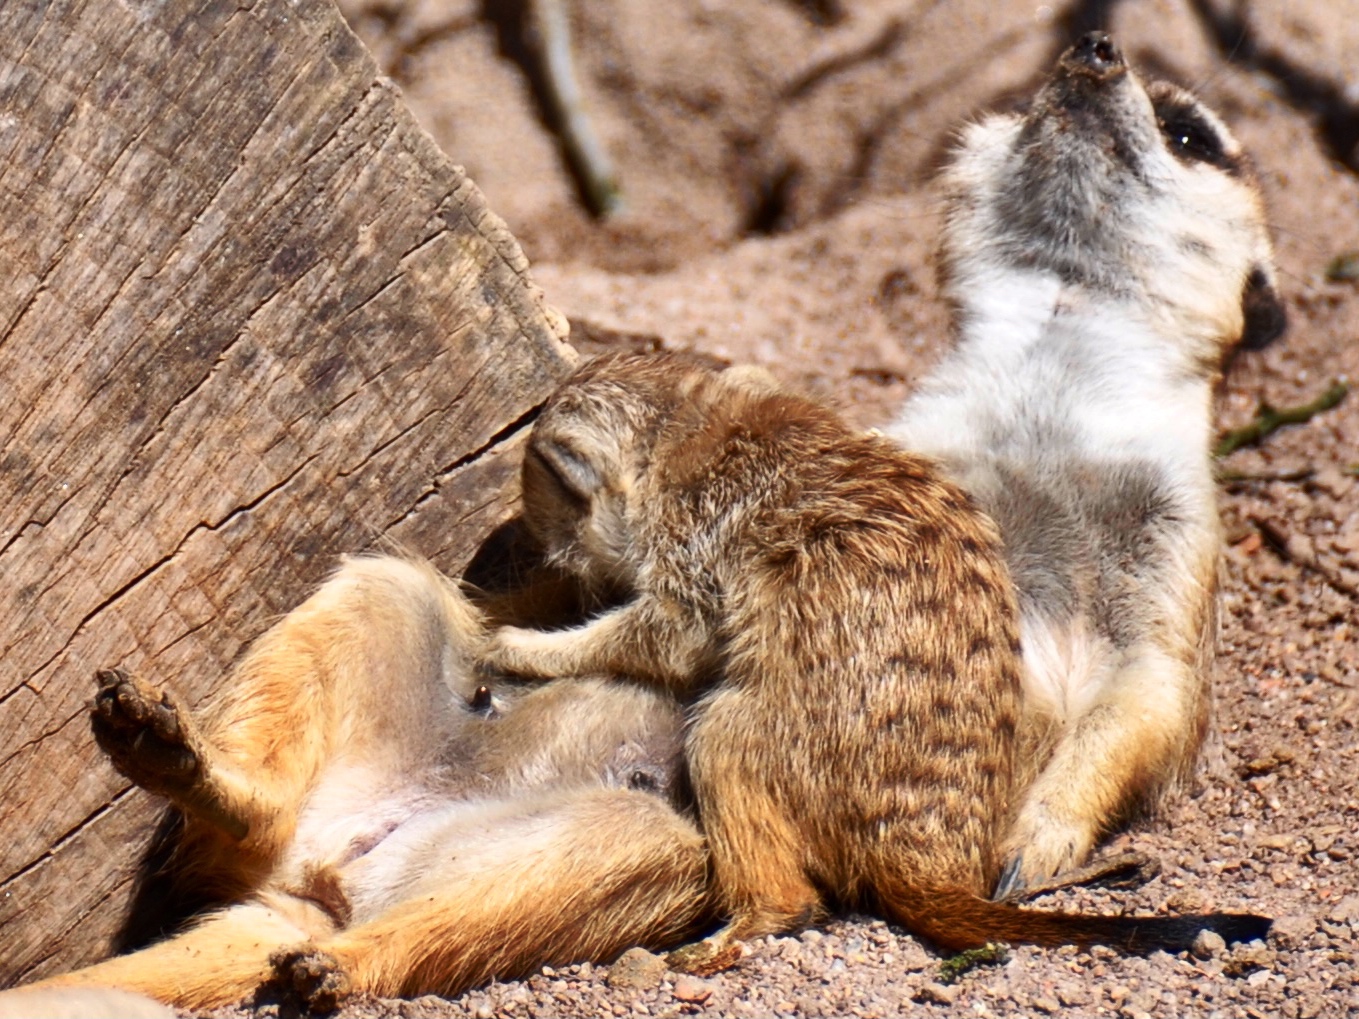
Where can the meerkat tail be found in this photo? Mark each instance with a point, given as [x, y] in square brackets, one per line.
[956, 919]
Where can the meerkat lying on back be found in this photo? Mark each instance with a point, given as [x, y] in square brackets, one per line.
[374, 820]
[843, 621]
[1104, 252]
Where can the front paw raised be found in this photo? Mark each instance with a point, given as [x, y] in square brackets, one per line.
[146, 733]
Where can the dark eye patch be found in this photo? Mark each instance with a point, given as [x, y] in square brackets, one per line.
[567, 470]
[1192, 139]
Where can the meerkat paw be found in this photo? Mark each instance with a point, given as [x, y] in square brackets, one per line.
[706, 957]
[314, 977]
[1038, 848]
[147, 734]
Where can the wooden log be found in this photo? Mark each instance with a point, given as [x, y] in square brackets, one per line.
[250, 317]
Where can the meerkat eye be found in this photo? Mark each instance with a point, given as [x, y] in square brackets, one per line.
[1191, 138]
[567, 467]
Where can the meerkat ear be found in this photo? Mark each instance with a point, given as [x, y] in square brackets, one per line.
[567, 466]
[1263, 313]
[752, 377]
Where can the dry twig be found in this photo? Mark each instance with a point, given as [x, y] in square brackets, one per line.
[1270, 419]
[584, 152]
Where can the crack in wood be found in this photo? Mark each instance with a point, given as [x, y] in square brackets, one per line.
[504, 435]
[60, 842]
[440, 232]
[202, 527]
[189, 632]
[34, 741]
[386, 444]
[29, 527]
[376, 295]
[17, 690]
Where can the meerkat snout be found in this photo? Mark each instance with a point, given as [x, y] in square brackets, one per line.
[1095, 52]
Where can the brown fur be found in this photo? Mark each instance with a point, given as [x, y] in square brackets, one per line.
[380, 824]
[842, 618]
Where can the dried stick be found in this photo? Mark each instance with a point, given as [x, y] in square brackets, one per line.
[1270, 419]
[584, 152]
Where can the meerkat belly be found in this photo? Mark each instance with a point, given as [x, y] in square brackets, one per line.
[393, 831]
[375, 832]
[355, 810]
[436, 845]
[1066, 666]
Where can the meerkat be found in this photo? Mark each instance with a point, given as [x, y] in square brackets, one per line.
[1104, 252]
[376, 818]
[841, 621]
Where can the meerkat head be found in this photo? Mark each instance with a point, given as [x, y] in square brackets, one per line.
[589, 447]
[1123, 190]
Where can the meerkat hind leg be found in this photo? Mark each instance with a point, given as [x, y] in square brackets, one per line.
[578, 875]
[369, 668]
[219, 961]
[1136, 733]
[759, 857]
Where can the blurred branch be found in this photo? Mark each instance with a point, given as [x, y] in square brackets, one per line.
[1270, 419]
[585, 154]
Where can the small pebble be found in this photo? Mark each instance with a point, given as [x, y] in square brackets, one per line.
[1208, 944]
[637, 968]
[693, 989]
[936, 993]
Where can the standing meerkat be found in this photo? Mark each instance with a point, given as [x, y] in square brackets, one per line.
[843, 622]
[1104, 252]
[374, 819]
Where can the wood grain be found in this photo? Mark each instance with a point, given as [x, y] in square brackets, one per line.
[250, 317]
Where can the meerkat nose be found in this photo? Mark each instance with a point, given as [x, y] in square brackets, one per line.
[1096, 51]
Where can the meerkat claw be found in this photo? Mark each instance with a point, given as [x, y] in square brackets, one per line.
[1010, 884]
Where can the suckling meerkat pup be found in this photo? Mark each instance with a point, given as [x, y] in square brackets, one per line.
[840, 618]
[1104, 252]
[374, 818]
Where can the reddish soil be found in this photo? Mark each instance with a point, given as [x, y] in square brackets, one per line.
[776, 159]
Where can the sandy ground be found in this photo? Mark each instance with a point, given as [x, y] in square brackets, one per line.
[775, 158]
